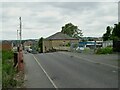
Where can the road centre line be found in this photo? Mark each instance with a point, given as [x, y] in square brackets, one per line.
[99, 62]
[45, 73]
[86, 59]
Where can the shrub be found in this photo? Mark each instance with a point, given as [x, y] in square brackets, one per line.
[7, 55]
[0, 72]
[86, 49]
[68, 45]
[8, 72]
[107, 50]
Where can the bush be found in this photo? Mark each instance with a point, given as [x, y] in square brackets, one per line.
[86, 49]
[107, 50]
[68, 45]
[0, 72]
[8, 72]
[6, 55]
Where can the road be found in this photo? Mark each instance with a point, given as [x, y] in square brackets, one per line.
[67, 70]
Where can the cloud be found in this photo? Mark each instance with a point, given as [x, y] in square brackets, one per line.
[59, 1]
[119, 11]
[46, 18]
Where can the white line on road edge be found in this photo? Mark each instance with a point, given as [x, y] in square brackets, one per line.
[46, 73]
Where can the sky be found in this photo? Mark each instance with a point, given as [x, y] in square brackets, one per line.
[42, 19]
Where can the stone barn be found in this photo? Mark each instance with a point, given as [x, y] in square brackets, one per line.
[59, 42]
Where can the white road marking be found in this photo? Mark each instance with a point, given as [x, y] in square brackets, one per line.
[46, 73]
[99, 62]
[86, 59]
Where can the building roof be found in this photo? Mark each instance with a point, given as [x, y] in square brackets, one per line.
[60, 36]
[6, 42]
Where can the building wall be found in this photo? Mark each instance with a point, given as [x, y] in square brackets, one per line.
[6, 46]
[107, 43]
[57, 44]
[47, 45]
[28, 43]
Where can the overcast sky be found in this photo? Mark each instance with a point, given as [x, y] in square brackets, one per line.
[42, 19]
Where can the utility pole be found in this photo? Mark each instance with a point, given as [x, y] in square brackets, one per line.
[17, 35]
[20, 31]
[20, 54]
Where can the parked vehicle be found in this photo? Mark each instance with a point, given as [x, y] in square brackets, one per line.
[25, 52]
[80, 48]
[29, 50]
[34, 52]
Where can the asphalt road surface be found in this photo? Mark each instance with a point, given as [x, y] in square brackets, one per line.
[66, 70]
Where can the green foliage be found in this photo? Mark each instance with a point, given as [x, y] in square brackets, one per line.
[107, 50]
[0, 71]
[6, 55]
[68, 44]
[86, 49]
[107, 35]
[112, 33]
[8, 72]
[116, 32]
[72, 30]
[40, 44]
[75, 45]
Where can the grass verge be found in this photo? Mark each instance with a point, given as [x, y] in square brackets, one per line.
[107, 50]
[8, 71]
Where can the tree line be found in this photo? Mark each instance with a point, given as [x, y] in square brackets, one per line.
[112, 33]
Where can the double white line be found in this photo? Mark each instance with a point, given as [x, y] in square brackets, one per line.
[45, 72]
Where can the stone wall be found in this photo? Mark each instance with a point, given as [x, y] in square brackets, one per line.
[57, 44]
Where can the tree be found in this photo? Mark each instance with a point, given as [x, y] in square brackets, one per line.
[107, 35]
[116, 32]
[72, 30]
[112, 33]
[40, 44]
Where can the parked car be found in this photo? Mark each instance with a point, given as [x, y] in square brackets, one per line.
[80, 48]
[25, 52]
[34, 52]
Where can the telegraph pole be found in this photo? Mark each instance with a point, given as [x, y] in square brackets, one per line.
[20, 54]
[20, 30]
[17, 38]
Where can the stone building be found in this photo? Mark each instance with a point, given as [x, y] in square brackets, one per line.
[6, 45]
[58, 41]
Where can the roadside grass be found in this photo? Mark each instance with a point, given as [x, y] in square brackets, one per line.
[8, 72]
[119, 62]
[86, 50]
[0, 71]
[107, 50]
